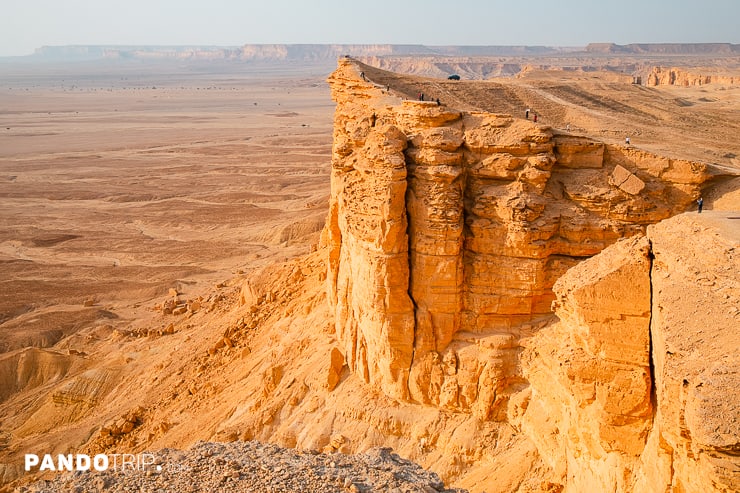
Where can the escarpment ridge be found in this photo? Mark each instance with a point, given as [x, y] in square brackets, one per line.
[447, 232]
[313, 52]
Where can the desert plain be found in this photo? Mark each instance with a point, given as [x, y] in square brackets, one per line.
[118, 185]
[164, 271]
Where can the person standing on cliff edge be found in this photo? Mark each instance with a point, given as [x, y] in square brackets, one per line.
[700, 203]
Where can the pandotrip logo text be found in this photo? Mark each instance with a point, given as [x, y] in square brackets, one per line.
[99, 462]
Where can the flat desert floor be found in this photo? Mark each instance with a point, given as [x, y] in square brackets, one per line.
[117, 184]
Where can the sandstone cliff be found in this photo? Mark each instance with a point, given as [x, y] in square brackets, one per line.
[695, 439]
[450, 236]
[661, 76]
[447, 233]
[447, 230]
[589, 406]
[622, 396]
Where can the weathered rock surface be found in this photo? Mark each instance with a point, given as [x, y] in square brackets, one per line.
[31, 367]
[622, 397]
[589, 406]
[448, 229]
[662, 76]
[694, 444]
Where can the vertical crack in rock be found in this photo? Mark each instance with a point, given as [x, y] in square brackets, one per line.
[413, 302]
[653, 376]
[591, 387]
[693, 444]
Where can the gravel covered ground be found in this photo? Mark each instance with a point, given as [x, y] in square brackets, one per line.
[254, 467]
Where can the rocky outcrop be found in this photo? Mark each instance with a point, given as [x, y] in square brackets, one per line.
[448, 229]
[694, 444]
[589, 406]
[622, 397]
[662, 76]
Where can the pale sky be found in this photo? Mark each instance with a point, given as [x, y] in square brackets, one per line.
[29, 24]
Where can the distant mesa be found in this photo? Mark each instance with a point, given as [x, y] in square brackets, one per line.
[665, 48]
[275, 52]
[330, 52]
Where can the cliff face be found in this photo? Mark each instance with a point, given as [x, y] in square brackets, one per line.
[447, 231]
[661, 76]
[632, 389]
[589, 407]
[694, 444]
[453, 235]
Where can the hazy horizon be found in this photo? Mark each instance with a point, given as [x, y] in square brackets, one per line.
[27, 26]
